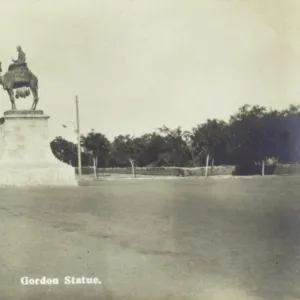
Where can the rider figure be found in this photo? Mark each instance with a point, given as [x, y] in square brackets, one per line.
[21, 58]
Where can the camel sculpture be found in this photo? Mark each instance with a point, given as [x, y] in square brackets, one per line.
[20, 79]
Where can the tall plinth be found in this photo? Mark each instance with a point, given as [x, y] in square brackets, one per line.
[26, 158]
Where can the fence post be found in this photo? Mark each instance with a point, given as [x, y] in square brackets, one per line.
[206, 167]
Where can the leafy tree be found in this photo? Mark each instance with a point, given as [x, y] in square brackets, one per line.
[188, 138]
[64, 150]
[175, 147]
[209, 140]
[125, 151]
[290, 135]
[98, 146]
[156, 150]
[256, 136]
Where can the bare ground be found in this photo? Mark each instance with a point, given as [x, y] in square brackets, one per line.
[155, 240]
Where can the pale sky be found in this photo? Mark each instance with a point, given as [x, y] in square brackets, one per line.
[139, 64]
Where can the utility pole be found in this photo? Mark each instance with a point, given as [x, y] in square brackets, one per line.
[78, 138]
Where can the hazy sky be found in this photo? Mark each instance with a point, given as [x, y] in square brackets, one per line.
[139, 64]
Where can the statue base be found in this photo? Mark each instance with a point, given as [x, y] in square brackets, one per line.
[26, 158]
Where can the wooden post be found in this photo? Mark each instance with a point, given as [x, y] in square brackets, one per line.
[132, 167]
[206, 167]
[263, 168]
[95, 166]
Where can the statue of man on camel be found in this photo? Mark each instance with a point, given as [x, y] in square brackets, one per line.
[21, 59]
[19, 81]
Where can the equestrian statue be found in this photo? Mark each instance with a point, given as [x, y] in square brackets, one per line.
[21, 80]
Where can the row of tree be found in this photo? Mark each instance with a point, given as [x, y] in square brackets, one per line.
[253, 136]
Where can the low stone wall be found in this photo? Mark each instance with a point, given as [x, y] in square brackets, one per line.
[281, 169]
[164, 171]
[217, 170]
[251, 169]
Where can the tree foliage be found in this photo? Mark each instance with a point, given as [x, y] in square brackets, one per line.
[98, 146]
[64, 150]
[252, 136]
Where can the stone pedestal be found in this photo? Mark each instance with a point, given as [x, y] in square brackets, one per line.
[26, 158]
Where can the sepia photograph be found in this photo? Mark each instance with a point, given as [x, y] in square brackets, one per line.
[150, 150]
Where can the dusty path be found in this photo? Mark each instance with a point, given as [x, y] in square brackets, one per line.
[154, 240]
